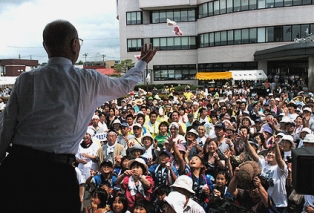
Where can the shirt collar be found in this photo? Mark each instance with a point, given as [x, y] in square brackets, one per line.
[59, 60]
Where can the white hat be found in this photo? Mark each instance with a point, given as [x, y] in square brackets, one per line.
[196, 103]
[310, 94]
[147, 135]
[193, 131]
[90, 132]
[309, 138]
[141, 161]
[137, 124]
[140, 112]
[307, 109]
[277, 99]
[175, 124]
[116, 121]
[95, 117]
[270, 94]
[286, 119]
[288, 138]
[280, 134]
[306, 129]
[184, 182]
[176, 200]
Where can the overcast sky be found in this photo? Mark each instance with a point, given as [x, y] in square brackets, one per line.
[22, 23]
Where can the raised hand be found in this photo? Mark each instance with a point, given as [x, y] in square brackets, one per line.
[147, 54]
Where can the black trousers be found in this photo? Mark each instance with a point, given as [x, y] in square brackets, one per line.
[35, 185]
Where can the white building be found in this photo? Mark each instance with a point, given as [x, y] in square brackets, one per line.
[219, 36]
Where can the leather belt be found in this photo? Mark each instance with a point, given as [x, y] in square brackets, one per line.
[30, 153]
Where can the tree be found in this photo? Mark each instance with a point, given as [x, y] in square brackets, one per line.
[80, 62]
[123, 66]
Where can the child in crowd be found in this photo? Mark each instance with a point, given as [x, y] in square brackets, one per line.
[105, 175]
[143, 206]
[120, 204]
[162, 191]
[221, 186]
[202, 185]
[99, 201]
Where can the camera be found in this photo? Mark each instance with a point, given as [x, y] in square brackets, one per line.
[268, 180]
[220, 154]
[289, 159]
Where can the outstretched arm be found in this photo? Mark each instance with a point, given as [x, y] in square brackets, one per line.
[281, 163]
[232, 187]
[249, 148]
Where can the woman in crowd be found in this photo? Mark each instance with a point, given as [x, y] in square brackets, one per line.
[140, 118]
[163, 134]
[86, 157]
[212, 161]
[275, 169]
[259, 137]
[111, 117]
[149, 153]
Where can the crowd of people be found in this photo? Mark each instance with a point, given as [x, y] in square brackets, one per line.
[64, 137]
[182, 153]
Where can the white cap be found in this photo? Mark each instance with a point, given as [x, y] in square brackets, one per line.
[116, 121]
[288, 138]
[184, 182]
[196, 103]
[280, 134]
[90, 132]
[309, 138]
[175, 124]
[286, 119]
[176, 200]
[95, 117]
[137, 124]
[307, 109]
[306, 129]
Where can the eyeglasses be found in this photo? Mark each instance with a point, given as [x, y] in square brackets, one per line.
[80, 40]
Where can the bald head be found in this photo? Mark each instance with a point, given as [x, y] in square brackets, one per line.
[60, 39]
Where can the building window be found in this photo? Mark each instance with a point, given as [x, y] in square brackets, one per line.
[217, 7]
[174, 72]
[221, 67]
[255, 35]
[134, 45]
[178, 15]
[175, 43]
[134, 18]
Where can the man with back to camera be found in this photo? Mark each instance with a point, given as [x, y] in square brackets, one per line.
[46, 118]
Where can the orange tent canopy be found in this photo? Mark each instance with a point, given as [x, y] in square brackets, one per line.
[213, 75]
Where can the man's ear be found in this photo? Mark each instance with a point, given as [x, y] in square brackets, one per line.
[75, 45]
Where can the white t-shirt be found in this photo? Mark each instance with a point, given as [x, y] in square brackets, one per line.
[278, 190]
[308, 201]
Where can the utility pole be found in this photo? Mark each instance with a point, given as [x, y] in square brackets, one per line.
[85, 55]
[103, 59]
